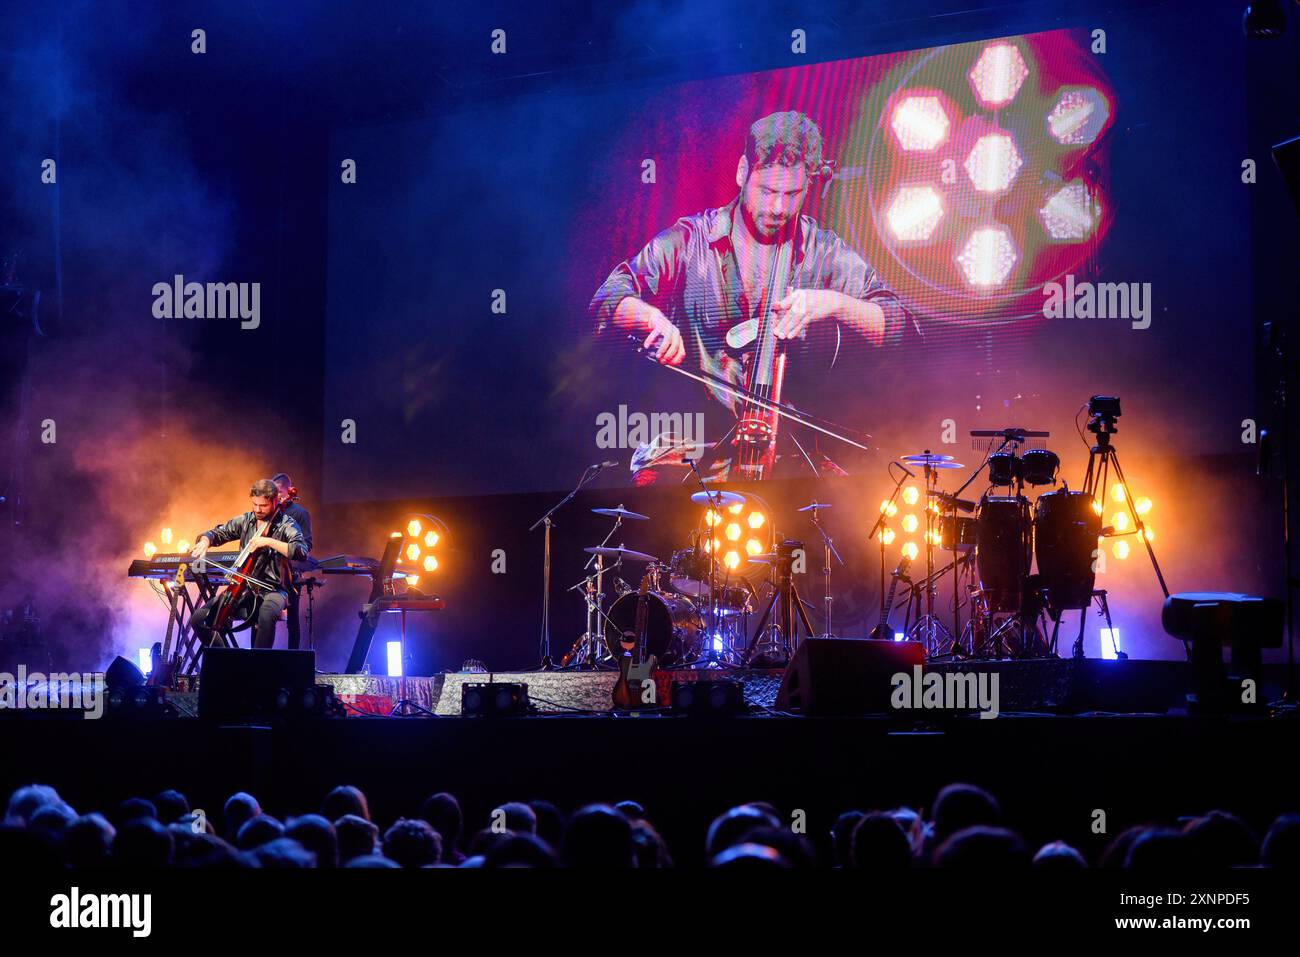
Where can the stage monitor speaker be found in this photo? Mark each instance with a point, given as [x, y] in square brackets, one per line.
[239, 685]
[845, 675]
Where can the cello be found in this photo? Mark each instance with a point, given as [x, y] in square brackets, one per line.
[757, 422]
[241, 571]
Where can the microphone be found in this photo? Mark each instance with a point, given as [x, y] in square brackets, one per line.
[604, 465]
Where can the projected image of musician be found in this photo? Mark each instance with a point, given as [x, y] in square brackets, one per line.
[259, 590]
[729, 291]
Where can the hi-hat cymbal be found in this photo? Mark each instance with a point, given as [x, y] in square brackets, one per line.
[926, 458]
[620, 552]
[946, 465]
[814, 506]
[717, 498]
[621, 512]
[769, 558]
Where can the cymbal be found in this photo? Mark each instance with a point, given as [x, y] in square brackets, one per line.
[621, 512]
[717, 498]
[620, 552]
[768, 558]
[926, 458]
[946, 465]
[814, 506]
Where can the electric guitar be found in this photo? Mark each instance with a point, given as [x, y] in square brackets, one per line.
[882, 631]
[632, 673]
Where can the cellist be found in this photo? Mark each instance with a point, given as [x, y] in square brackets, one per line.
[273, 539]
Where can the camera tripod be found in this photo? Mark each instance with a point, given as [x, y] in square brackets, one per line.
[789, 607]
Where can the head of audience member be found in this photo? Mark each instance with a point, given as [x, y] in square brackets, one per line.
[631, 810]
[443, 813]
[204, 851]
[879, 843]
[52, 819]
[316, 835]
[284, 853]
[345, 799]
[133, 808]
[172, 806]
[88, 842]
[143, 843]
[520, 850]
[550, 822]
[1281, 847]
[412, 843]
[1161, 849]
[1115, 857]
[240, 808]
[1221, 840]
[960, 806]
[795, 849]
[732, 826]
[650, 849]
[842, 837]
[258, 831]
[749, 857]
[983, 849]
[598, 837]
[27, 800]
[918, 831]
[1059, 856]
[357, 837]
[516, 816]
[376, 861]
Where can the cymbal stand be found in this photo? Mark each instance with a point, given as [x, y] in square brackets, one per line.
[791, 607]
[929, 630]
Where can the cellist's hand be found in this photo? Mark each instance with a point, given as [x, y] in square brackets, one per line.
[262, 541]
[802, 306]
[672, 349]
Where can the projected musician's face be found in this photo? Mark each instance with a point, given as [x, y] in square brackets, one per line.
[262, 507]
[772, 197]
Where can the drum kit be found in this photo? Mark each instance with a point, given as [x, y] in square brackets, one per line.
[699, 604]
[994, 542]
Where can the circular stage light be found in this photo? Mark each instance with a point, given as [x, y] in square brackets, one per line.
[998, 74]
[993, 163]
[1071, 213]
[919, 123]
[988, 256]
[1078, 117]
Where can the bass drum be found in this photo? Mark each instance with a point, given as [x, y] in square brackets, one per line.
[674, 627]
[1066, 532]
[1003, 549]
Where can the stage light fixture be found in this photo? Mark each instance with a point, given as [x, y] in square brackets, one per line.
[1143, 505]
[914, 213]
[718, 697]
[145, 657]
[911, 494]
[988, 256]
[182, 546]
[753, 547]
[1117, 492]
[920, 123]
[1120, 550]
[495, 700]
[998, 74]
[1078, 116]
[1120, 522]
[910, 523]
[887, 535]
[394, 649]
[733, 532]
[419, 536]
[993, 163]
[889, 508]
[165, 536]
[737, 508]
[911, 550]
[732, 560]
[1110, 647]
[1264, 20]
[1071, 214]
[756, 520]
[150, 549]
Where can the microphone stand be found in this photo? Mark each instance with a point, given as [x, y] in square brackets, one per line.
[545, 652]
[880, 522]
[716, 506]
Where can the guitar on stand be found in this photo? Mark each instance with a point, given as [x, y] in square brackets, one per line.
[882, 631]
[632, 672]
